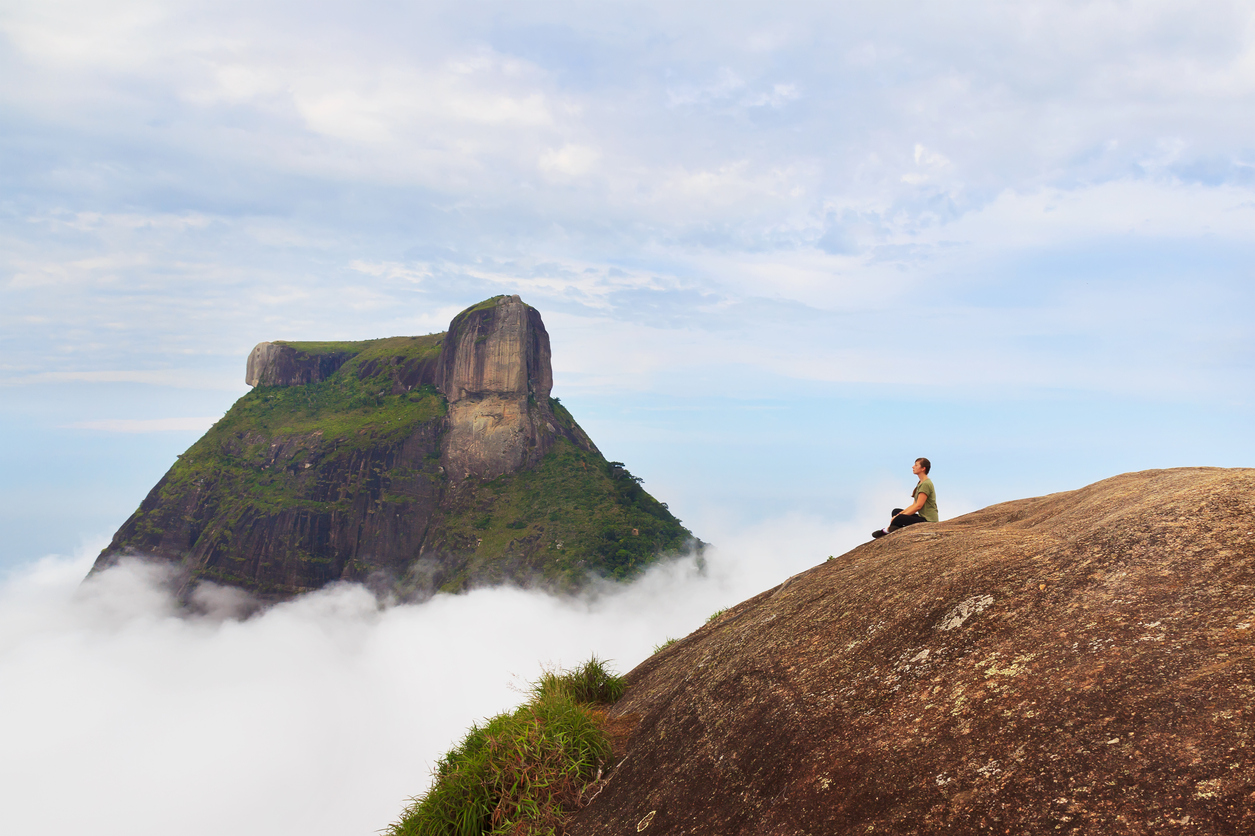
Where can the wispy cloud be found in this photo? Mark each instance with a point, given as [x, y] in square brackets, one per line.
[145, 425]
[175, 378]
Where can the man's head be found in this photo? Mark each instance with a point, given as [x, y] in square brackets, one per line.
[925, 464]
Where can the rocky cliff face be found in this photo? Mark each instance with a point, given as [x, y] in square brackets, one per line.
[411, 463]
[1077, 663]
[496, 374]
[279, 364]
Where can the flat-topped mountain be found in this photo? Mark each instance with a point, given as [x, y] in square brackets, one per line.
[1082, 662]
[410, 463]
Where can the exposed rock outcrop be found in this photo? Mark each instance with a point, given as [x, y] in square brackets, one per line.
[496, 374]
[494, 369]
[1076, 663]
[279, 364]
[411, 463]
[499, 347]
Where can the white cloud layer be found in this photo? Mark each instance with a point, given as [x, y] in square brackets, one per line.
[319, 716]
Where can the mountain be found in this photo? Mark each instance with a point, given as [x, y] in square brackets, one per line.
[1082, 662]
[412, 464]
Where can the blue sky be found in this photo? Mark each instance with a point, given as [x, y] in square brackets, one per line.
[781, 249]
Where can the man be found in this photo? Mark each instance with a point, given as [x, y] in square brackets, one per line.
[923, 508]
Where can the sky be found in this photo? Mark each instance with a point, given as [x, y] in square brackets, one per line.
[781, 250]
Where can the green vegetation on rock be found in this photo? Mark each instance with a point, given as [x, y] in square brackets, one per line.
[480, 306]
[312, 451]
[522, 772]
[358, 405]
[593, 683]
[572, 514]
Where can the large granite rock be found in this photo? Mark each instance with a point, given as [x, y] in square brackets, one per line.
[499, 347]
[1082, 662]
[410, 463]
[496, 374]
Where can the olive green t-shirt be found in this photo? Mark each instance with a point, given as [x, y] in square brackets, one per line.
[929, 511]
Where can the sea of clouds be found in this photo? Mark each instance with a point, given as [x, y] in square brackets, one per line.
[323, 715]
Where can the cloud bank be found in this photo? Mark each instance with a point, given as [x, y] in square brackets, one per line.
[319, 716]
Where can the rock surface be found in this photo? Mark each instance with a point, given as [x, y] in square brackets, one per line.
[499, 347]
[496, 374]
[1076, 663]
[277, 364]
[411, 463]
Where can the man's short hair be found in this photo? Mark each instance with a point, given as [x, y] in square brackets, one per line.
[926, 464]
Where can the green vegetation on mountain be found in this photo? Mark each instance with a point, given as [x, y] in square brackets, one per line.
[571, 514]
[522, 772]
[355, 407]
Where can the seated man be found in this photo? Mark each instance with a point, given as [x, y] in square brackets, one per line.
[924, 507]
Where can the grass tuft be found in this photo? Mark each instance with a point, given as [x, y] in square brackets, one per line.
[522, 772]
[714, 615]
[592, 683]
